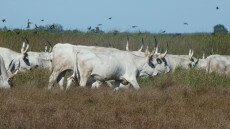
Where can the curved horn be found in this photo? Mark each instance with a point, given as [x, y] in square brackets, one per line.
[142, 44]
[27, 47]
[155, 43]
[163, 55]
[46, 48]
[23, 47]
[51, 47]
[24, 50]
[127, 44]
[203, 57]
[156, 50]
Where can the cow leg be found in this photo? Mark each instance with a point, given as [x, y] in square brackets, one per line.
[124, 86]
[52, 79]
[109, 83]
[60, 79]
[96, 84]
[84, 78]
[117, 84]
[134, 83]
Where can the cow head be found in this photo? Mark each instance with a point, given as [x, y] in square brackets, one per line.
[161, 65]
[21, 62]
[157, 63]
[193, 61]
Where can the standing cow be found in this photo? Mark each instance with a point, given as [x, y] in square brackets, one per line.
[120, 66]
[64, 59]
[215, 63]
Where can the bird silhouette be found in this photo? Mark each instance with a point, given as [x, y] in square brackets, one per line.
[163, 31]
[89, 28]
[3, 20]
[36, 27]
[134, 26]
[28, 23]
[217, 8]
[185, 23]
[42, 20]
[110, 18]
[52, 26]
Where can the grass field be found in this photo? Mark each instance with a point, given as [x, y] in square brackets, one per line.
[184, 99]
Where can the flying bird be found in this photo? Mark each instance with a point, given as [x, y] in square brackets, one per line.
[42, 20]
[134, 26]
[185, 23]
[163, 32]
[110, 18]
[217, 8]
[3, 20]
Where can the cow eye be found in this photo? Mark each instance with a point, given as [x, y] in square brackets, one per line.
[159, 61]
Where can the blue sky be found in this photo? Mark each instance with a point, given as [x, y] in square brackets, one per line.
[148, 15]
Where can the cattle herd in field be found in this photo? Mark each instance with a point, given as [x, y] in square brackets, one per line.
[117, 68]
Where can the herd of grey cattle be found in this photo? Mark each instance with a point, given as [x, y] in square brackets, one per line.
[110, 65]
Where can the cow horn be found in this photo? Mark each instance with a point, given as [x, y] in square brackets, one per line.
[142, 44]
[203, 57]
[127, 44]
[23, 49]
[164, 54]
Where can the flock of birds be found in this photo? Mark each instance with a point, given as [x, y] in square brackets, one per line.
[90, 28]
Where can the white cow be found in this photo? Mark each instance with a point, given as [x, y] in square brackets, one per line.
[5, 79]
[40, 59]
[183, 61]
[215, 63]
[64, 60]
[14, 60]
[174, 61]
[121, 66]
[25, 60]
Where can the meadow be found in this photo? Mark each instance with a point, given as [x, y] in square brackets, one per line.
[184, 99]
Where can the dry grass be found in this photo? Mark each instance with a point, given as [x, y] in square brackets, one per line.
[163, 107]
[184, 99]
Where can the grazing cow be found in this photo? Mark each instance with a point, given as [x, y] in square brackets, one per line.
[5, 79]
[215, 63]
[121, 66]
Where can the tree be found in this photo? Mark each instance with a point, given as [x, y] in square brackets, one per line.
[220, 29]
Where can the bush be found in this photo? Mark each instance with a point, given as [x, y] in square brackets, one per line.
[220, 29]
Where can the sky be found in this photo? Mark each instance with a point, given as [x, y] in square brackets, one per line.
[149, 15]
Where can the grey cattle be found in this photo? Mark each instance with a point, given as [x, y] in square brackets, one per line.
[120, 66]
[215, 63]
